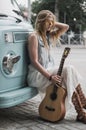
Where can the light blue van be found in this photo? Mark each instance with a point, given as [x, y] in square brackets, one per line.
[14, 31]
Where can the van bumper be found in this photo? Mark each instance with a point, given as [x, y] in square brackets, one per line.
[13, 98]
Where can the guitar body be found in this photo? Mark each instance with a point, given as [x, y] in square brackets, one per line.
[53, 110]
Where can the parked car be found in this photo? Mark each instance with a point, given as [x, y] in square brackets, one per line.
[14, 31]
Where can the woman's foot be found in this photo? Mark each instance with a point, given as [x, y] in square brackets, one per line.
[81, 114]
[81, 117]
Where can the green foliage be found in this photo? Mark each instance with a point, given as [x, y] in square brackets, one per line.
[43, 4]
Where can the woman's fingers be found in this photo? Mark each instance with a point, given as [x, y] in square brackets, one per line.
[57, 79]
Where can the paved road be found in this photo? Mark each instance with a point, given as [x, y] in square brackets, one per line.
[25, 116]
[76, 57]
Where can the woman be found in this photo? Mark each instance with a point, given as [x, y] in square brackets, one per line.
[41, 69]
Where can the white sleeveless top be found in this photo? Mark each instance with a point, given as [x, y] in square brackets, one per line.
[44, 55]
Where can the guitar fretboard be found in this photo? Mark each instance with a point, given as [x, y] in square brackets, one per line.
[61, 66]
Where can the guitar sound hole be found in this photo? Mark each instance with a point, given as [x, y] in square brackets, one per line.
[53, 96]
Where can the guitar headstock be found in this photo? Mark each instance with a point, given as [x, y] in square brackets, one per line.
[66, 52]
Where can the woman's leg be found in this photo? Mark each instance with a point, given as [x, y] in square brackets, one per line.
[81, 95]
[71, 79]
[81, 114]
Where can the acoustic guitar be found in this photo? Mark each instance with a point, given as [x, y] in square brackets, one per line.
[52, 107]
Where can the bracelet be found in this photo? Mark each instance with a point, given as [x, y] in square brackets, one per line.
[50, 78]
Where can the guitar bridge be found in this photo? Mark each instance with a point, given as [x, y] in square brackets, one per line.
[50, 108]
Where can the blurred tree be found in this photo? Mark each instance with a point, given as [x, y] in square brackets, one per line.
[57, 10]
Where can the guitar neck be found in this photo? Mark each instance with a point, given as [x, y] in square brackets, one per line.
[61, 67]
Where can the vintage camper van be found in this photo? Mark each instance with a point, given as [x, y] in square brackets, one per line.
[14, 31]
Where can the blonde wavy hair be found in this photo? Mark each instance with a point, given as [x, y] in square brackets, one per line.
[41, 19]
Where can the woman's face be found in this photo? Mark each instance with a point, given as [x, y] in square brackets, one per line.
[49, 24]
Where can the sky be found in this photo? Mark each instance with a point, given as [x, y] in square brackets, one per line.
[24, 2]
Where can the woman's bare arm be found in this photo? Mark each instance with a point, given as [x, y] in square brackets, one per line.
[59, 29]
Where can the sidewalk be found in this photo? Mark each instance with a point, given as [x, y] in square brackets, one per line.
[26, 117]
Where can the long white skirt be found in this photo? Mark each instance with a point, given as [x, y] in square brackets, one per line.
[71, 78]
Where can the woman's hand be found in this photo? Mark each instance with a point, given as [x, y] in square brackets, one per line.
[56, 79]
[59, 29]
